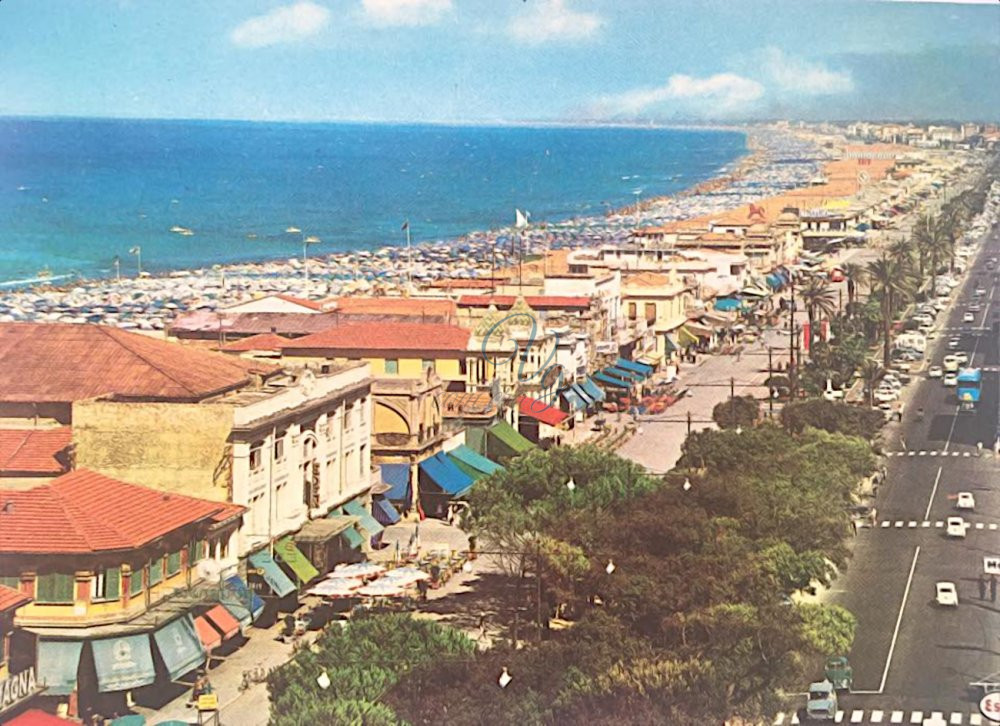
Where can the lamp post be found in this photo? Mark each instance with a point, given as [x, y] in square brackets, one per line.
[137, 251]
[306, 241]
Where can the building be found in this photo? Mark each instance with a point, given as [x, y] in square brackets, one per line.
[29, 456]
[662, 301]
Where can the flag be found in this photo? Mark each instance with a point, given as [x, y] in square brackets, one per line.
[520, 219]
[135, 250]
[406, 226]
[755, 211]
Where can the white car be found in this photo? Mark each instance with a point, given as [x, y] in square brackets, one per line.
[890, 381]
[935, 372]
[965, 500]
[950, 380]
[968, 318]
[955, 527]
[946, 594]
[885, 395]
[980, 292]
[953, 343]
[961, 356]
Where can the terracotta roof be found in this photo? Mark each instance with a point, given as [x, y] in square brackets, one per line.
[228, 511]
[83, 512]
[470, 283]
[34, 451]
[54, 362]
[466, 404]
[385, 336]
[537, 302]
[311, 304]
[261, 341]
[11, 598]
[555, 262]
[414, 307]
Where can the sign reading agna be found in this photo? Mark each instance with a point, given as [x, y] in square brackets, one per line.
[990, 706]
[991, 565]
[16, 688]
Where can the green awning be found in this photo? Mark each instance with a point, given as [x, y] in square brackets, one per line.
[353, 538]
[685, 337]
[180, 647]
[56, 665]
[293, 557]
[370, 524]
[671, 346]
[273, 575]
[504, 433]
[123, 663]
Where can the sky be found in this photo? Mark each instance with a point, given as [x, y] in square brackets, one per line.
[497, 61]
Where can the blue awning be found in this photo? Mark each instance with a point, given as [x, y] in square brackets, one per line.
[241, 601]
[728, 304]
[384, 512]
[56, 664]
[474, 459]
[180, 647]
[397, 476]
[370, 524]
[446, 475]
[635, 366]
[573, 399]
[774, 281]
[610, 381]
[625, 375]
[280, 583]
[593, 390]
[587, 399]
[123, 663]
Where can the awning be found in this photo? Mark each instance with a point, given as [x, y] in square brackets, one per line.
[541, 411]
[670, 345]
[245, 604]
[370, 524]
[318, 531]
[180, 646]
[384, 512]
[446, 475]
[702, 331]
[474, 459]
[631, 365]
[292, 556]
[685, 337]
[224, 620]
[353, 538]
[37, 717]
[273, 575]
[624, 374]
[608, 380]
[774, 281]
[573, 399]
[651, 359]
[727, 304]
[123, 663]
[397, 476]
[56, 665]
[592, 390]
[510, 439]
[583, 394]
[209, 636]
[755, 292]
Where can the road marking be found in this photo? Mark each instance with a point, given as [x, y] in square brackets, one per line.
[975, 720]
[934, 453]
[886, 523]
[930, 501]
[956, 718]
[838, 717]
[939, 524]
[876, 717]
[911, 453]
[899, 523]
[899, 621]
[897, 717]
[917, 717]
[921, 453]
[993, 526]
[925, 523]
[979, 525]
[856, 716]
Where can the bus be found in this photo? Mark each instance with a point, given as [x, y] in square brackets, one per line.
[970, 382]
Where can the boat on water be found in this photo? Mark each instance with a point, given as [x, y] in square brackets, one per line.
[184, 231]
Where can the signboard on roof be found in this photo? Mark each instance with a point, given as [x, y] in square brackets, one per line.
[17, 688]
[991, 565]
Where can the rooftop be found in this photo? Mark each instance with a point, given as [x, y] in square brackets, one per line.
[62, 363]
[385, 336]
[261, 341]
[86, 512]
[537, 302]
[34, 451]
[412, 307]
[11, 598]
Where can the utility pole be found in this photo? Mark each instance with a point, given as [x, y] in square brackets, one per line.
[791, 343]
[732, 399]
[689, 423]
[770, 389]
[538, 587]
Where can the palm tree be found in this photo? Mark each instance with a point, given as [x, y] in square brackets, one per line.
[854, 275]
[891, 277]
[934, 239]
[870, 372]
[817, 296]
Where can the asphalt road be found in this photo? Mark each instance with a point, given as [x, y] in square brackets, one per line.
[913, 659]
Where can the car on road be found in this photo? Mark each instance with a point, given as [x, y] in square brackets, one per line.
[839, 672]
[950, 379]
[968, 318]
[886, 395]
[935, 372]
[955, 527]
[980, 291]
[965, 500]
[961, 356]
[822, 702]
[975, 307]
[953, 343]
[950, 363]
[946, 594]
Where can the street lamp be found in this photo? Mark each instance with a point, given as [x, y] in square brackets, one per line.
[611, 567]
[504, 678]
[571, 485]
[687, 485]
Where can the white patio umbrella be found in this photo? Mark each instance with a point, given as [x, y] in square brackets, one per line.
[383, 588]
[357, 569]
[342, 587]
[405, 575]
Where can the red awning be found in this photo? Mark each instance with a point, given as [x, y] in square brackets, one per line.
[35, 717]
[224, 621]
[541, 411]
[208, 635]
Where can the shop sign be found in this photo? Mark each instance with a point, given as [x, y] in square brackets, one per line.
[991, 565]
[16, 688]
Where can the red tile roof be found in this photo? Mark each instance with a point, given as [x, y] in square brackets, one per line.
[537, 302]
[469, 283]
[51, 362]
[311, 304]
[85, 512]
[262, 341]
[11, 598]
[541, 411]
[384, 337]
[414, 307]
[34, 450]
[228, 511]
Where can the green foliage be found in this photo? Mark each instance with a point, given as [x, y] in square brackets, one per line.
[828, 629]
[832, 416]
[743, 411]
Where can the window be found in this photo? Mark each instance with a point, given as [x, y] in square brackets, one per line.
[650, 312]
[427, 365]
[632, 310]
[11, 581]
[135, 585]
[173, 563]
[106, 585]
[155, 571]
[256, 460]
[331, 425]
[361, 461]
[195, 550]
[392, 366]
[54, 588]
[279, 448]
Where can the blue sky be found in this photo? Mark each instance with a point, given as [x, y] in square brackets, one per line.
[500, 60]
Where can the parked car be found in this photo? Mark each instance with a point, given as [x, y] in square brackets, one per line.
[961, 356]
[955, 527]
[822, 701]
[934, 372]
[980, 291]
[965, 500]
[975, 307]
[968, 318]
[839, 672]
[946, 594]
[885, 395]
[950, 380]
[953, 343]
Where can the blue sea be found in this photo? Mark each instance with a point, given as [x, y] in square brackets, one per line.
[75, 193]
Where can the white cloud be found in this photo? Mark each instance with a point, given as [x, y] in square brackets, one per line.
[405, 12]
[285, 24]
[799, 76]
[719, 94]
[553, 21]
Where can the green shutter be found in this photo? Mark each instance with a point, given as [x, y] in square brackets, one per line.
[55, 588]
[112, 583]
[173, 563]
[135, 583]
[195, 549]
[156, 571]
[14, 582]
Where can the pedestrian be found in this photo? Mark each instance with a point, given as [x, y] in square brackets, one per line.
[885, 472]
[979, 448]
[993, 588]
[854, 523]
[874, 516]
[874, 490]
[982, 587]
[422, 589]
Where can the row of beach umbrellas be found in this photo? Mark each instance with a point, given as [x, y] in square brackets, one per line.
[349, 581]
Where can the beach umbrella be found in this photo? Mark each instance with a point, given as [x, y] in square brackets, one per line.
[383, 588]
[358, 569]
[405, 575]
[340, 587]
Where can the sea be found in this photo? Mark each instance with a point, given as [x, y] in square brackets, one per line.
[75, 194]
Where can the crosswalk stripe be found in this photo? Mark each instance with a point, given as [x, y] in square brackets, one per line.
[939, 524]
[925, 523]
[975, 720]
[993, 525]
[876, 717]
[956, 453]
[885, 524]
[966, 454]
[899, 523]
[897, 717]
[979, 525]
[922, 453]
[956, 718]
[911, 453]
[838, 717]
[912, 523]
[933, 453]
[856, 716]
[917, 717]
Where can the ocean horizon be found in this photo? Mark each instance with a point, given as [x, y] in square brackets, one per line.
[77, 192]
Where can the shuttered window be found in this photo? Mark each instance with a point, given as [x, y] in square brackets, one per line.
[107, 584]
[156, 571]
[173, 563]
[135, 585]
[54, 588]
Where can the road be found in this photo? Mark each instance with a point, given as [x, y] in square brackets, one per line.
[912, 659]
